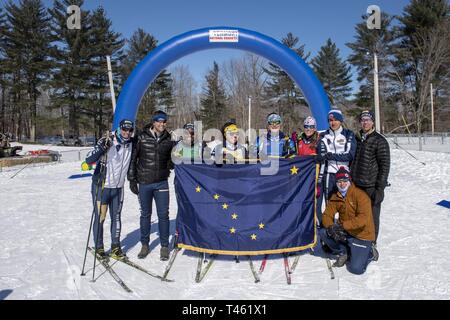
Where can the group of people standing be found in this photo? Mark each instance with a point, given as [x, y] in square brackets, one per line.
[354, 170]
[353, 174]
[145, 159]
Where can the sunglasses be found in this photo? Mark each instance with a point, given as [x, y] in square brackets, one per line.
[127, 129]
[309, 127]
[274, 123]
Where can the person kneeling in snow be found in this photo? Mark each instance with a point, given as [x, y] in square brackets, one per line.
[351, 236]
[107, 184]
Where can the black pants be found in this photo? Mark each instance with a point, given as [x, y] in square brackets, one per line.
[376, 218]
[376, 209]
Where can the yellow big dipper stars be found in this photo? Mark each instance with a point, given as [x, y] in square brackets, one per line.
[234, 216]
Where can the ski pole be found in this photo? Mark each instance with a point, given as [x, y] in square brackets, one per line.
[96, 238]
[403, 149]
[32, 159]
[88, 238]
[90, 227]
[105, 156]
[98, 213]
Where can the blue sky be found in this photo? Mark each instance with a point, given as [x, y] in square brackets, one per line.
[312, 21]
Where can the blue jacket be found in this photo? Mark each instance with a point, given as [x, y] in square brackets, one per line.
[286, 146]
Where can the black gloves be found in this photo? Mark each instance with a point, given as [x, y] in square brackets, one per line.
[337, 232]
[322, 157]
[134, 187]
[105, 142]
[378, 196]
[318, 158]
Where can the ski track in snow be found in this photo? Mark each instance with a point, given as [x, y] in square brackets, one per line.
[45, 220]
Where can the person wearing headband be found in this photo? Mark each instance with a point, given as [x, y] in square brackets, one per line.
[275, 143]
[308, 139]
[230, 150]
[112, 154]
[148, 175]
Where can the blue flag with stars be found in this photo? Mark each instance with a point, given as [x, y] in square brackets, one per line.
[233, 209]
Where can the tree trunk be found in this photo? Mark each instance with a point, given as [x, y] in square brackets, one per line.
[73, 120]
[19, 126]
[3, 110]
[33, 117]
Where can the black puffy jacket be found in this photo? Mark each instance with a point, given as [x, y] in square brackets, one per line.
[370, 167]
[151, 158]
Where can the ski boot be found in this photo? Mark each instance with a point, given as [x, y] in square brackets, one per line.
[164, 253]
[100, 251]
[145, 250]
[375, 253]
[117, 253]
[341, 260]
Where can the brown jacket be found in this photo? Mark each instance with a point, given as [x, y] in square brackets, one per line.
[355, 213]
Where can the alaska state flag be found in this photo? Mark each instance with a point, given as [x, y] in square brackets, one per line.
[233, 209]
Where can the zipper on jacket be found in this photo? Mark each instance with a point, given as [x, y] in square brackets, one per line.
[334, 145]
[157, 158]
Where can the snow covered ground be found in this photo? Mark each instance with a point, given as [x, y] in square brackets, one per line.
[45, 219]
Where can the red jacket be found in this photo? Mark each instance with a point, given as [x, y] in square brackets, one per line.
[307, 146]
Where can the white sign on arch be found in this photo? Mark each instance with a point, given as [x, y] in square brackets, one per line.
[223, 35]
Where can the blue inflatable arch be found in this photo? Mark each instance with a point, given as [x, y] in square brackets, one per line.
[214, 38]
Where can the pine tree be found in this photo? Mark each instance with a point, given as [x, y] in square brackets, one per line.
[159, 94]
[333, 72]
[70, 81]
[419, 17]
[104, 42]
[2, 33]
[422, 55]
[28, 50]
[421, 14]
[281, 92]
[212, 110]
[3, 82]
[13, 94]
[367, 43]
